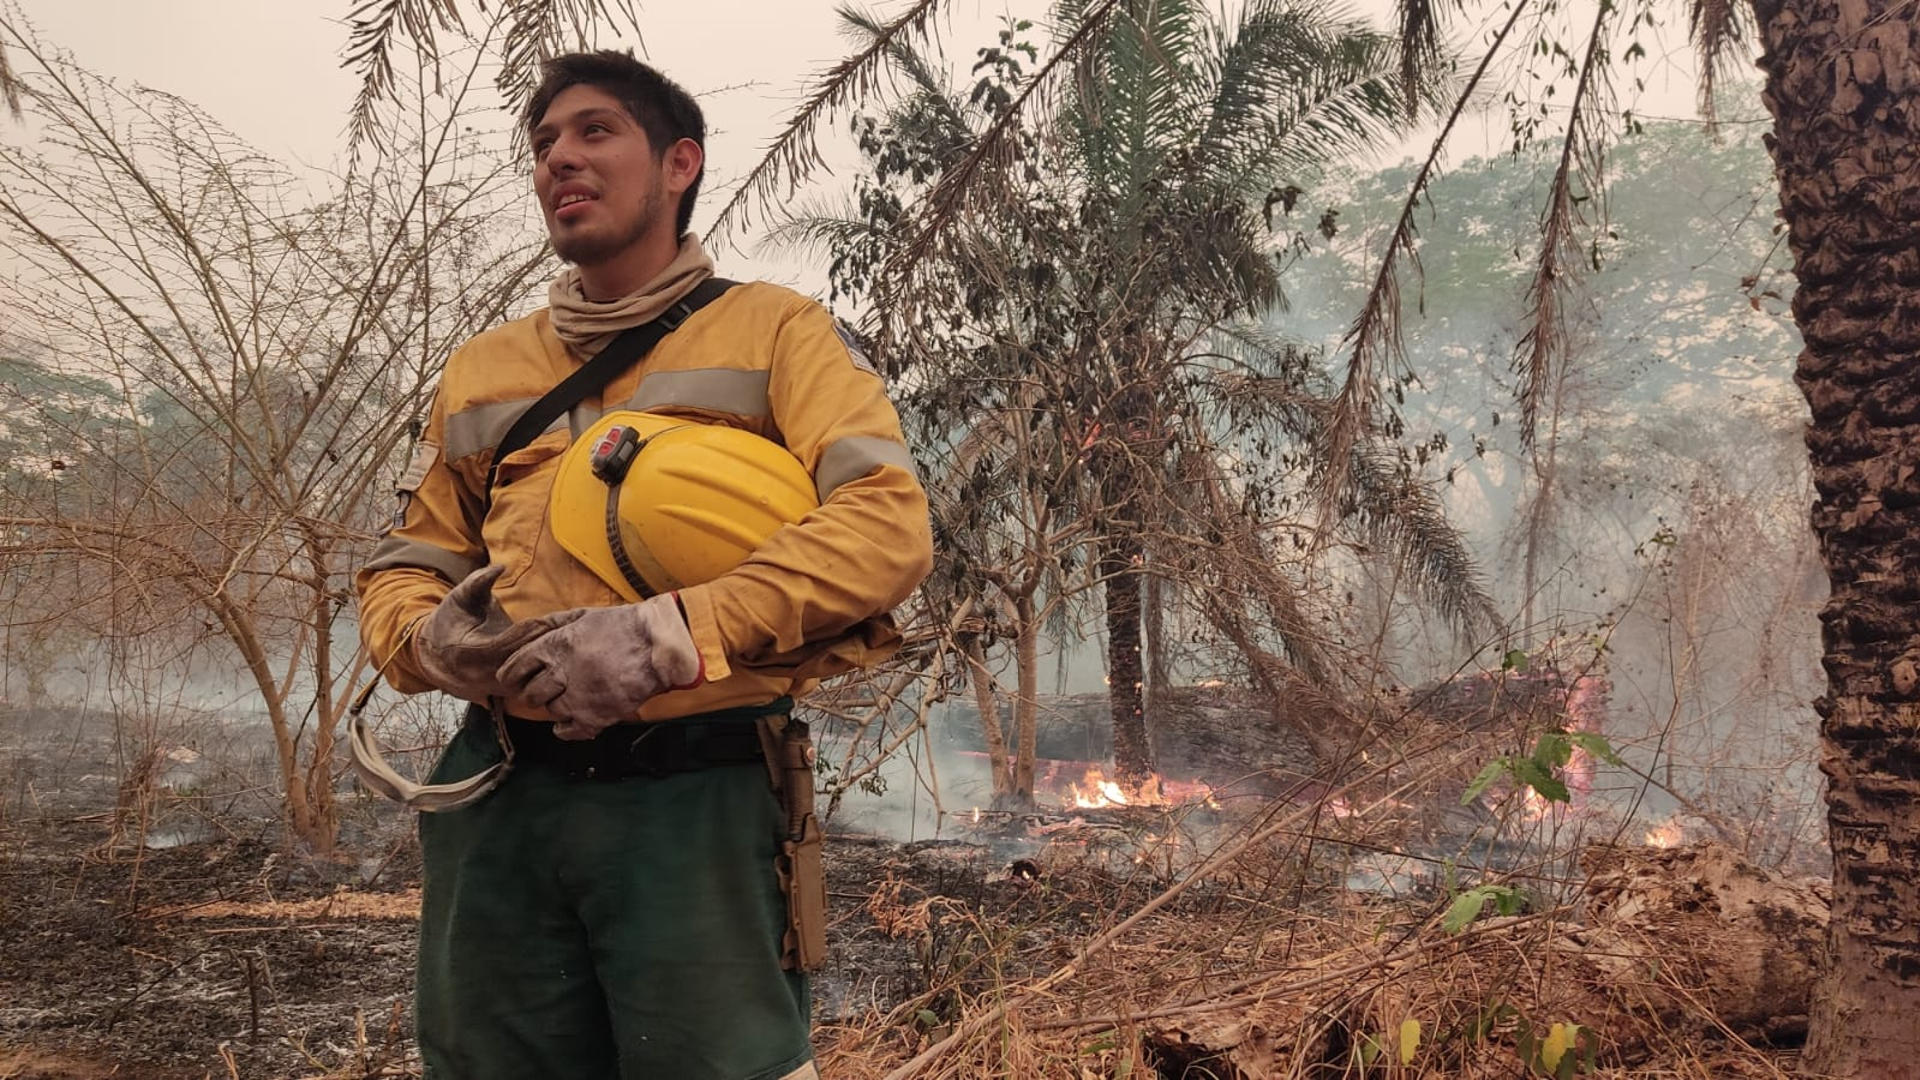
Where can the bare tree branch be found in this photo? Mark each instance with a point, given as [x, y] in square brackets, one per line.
[957, 186]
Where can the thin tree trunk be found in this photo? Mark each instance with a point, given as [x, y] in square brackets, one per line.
[1026, 706]
[1845, 98]
[323, 813]
[240, 630]
[987, 699]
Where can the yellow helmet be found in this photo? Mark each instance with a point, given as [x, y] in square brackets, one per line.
[654, 503]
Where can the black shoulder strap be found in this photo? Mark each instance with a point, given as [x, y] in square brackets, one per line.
[619, 355]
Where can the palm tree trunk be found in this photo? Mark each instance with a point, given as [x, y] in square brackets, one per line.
[1132, 755]
[1153, 626]
[1845, 100]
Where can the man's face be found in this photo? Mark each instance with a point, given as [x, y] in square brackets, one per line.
[599, 183]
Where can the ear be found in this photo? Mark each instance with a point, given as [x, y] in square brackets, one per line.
[682, 165]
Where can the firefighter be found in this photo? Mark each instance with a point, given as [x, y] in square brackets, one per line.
[634, 890]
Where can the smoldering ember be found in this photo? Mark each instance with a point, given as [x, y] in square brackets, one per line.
[1247, 541]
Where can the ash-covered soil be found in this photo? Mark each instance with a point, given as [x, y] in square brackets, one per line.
[195, 943]
[178, 935]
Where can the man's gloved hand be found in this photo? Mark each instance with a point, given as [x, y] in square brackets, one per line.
[461, 644]
[600, 666]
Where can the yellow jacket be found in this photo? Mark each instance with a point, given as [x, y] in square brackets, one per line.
[809, 603]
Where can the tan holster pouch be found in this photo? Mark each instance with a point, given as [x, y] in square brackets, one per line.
[801, 865]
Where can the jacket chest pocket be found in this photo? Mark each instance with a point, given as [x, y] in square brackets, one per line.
[516, 524]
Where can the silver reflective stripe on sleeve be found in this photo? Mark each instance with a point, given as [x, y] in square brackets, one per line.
[854, 457]
[394, 551]
[480, 429]
[742, 393]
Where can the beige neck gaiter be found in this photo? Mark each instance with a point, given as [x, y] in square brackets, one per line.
[587, 326]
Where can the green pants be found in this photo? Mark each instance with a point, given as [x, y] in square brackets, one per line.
[598, 930]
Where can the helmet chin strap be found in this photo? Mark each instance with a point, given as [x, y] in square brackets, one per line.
[614, 541]
[612, 465]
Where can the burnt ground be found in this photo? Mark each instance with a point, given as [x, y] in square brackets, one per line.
[180, 936]
[196, 944]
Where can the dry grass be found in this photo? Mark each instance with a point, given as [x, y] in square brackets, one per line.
[344, 905]
[1256, 969]
[1237, 951]
[1252, 970]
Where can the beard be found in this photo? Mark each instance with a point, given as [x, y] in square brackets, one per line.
[598, 247]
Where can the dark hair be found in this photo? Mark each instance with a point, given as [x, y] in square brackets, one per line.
[665, 111]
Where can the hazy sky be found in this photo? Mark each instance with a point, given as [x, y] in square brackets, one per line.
[271, 70]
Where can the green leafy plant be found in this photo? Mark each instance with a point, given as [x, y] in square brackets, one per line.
[1469, 905]
[1540, 770]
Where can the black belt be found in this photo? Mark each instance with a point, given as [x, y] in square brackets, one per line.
[624, 751]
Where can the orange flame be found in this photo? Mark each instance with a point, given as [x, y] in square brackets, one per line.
[1095, 791]
[1666, 834]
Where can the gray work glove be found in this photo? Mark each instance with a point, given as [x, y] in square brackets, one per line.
[604, 663]
[460, 644]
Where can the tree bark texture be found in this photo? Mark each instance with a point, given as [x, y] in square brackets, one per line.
[1843, 85]
[1026, 702]
[1132, 753]
[987, 699]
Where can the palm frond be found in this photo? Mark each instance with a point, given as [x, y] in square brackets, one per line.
[1139, 116]
[9, 85]
[1246, 566]
[931, 109]
[1375, 333]
[538, 30]
[1419, 24]
[1716, 28]
[1213, 252]
[377, 27]
[1353, 107]
[794, 154]
[1401, 516]
[1543, 349]
[1302, 83]
[816, 228]
[1249, 68]
[1388, 506]
[532, 31]
[866, 27]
